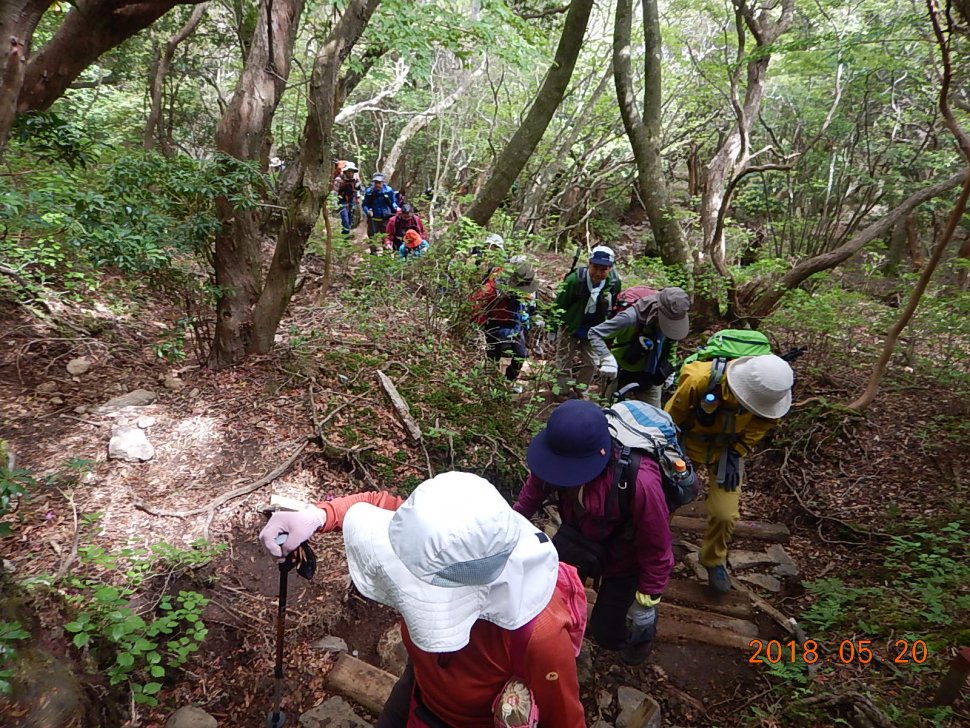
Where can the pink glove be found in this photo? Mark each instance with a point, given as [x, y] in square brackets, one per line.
[298, 526]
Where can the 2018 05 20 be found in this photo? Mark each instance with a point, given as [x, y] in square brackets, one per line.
[858, 652]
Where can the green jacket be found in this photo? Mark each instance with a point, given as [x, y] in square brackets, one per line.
[570, 304]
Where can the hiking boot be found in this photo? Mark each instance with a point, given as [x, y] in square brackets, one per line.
[718, 579]
[636, 654]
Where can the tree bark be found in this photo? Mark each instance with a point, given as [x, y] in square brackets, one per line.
[420, 120]
[733, 155]
[759, 297]
[18, 19]
[91, 28]
[161, 71]
[644, 133]
[523, 143]
[308, 188]
[243, 133]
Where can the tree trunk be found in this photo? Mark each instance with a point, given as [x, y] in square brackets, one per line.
[421, 120]
[523, 143]
[91, 28]
[538, 189]
[161, 71]
[310, 185]
[644, 134]
[18, 19]
[759, 297]
[243, 133]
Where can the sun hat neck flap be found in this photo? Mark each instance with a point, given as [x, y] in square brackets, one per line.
[574, 447]
[761, 384]
[453, 553]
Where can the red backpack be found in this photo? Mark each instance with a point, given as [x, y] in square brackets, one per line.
[628, 297]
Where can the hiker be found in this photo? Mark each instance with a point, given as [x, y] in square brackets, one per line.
[641, 339]
[574, 460]
[584, 301]
[482, 596]
[379, 206]
[347, 187]
[505, 309]
[414, 246]
[404, 220]
[749, 396]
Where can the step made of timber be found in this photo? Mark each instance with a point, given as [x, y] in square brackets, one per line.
[709, 619]
[693, 593]
[365, 684]
[744, 529]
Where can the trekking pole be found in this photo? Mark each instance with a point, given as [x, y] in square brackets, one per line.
[307, 566]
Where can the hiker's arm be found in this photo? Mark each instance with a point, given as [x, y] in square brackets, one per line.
[530, 497]
[550, 673]
[757, 428]
[684, 399]
[654, 543]
[610, 327]
[337, 508]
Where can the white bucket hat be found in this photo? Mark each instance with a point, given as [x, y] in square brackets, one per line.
[453, 553]
[762, 384]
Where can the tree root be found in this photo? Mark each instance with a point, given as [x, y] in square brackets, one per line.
[862, 713]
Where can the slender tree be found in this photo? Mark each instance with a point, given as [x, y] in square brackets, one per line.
[644, 132]
[523, 143]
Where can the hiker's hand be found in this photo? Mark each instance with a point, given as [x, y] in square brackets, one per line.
[732, 471]
[641, 623]
[298, 527]
[608, 366]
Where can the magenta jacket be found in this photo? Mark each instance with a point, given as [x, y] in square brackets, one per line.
[648, 554]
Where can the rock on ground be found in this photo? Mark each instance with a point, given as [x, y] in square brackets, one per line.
[637, 709]
[137, 398]
[78, 366]
[333, 713]
[191, 717]
[331, 643]
[768, 583]
[129, 444]
[174, 383]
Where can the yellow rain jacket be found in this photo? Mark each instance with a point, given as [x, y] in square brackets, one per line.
[732, 424]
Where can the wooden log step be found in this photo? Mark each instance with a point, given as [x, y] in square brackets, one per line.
[694, 509]
[732, 604]
[708, 619]
[671, 630]
[361, 682]
[745, 529]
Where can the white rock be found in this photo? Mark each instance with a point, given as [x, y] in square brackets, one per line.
[333, 713]
[174, 383]
[764, 581]
[741, 560]
[81, 409]
[191, 717]
[639, 710]
[604, 699]
[330, 643]
[137, 398]
[194, 392]
[129, 444]
[47, 387]
[57, 400]
[145, 421]
[9, 566]
[79, 366]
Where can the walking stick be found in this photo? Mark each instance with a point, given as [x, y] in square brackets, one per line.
[305, 562]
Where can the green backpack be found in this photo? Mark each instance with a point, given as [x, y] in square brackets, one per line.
[726, 345]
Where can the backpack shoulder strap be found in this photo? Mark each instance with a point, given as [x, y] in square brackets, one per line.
[718, 367]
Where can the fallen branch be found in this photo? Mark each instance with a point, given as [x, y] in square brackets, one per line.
[400, 406]
[211, 507]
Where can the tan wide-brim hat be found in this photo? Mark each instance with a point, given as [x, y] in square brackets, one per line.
[762, 384]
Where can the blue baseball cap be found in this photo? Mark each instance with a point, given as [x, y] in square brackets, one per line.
[575, 446]
[601, 255]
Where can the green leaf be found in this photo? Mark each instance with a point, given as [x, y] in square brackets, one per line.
[152, 688]
[125, 659]
[80, 640]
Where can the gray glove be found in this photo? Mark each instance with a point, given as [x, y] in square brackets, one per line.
[730, 470]
[641, 623]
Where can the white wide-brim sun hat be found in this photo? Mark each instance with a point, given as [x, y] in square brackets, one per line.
[762, 384]
[453, 553]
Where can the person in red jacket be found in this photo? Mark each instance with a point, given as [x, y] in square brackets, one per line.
[573, 460]
[480, 592]
[399, 224]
